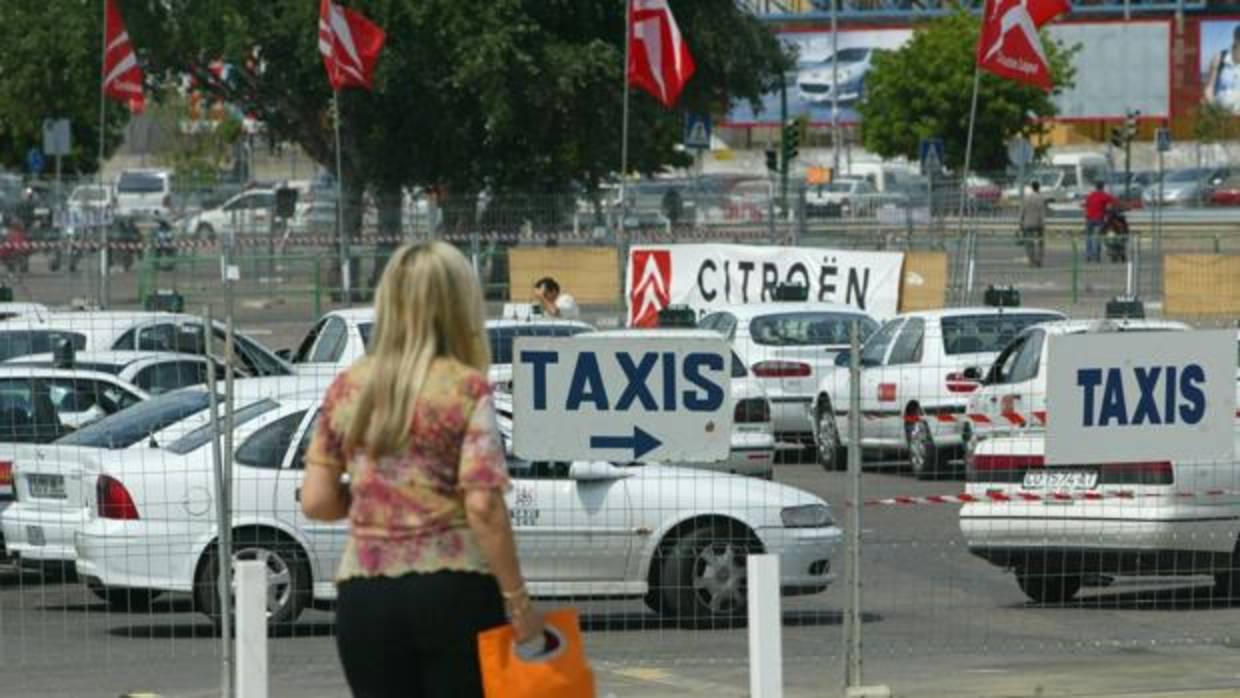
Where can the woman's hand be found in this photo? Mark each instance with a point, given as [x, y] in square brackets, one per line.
[527, 623]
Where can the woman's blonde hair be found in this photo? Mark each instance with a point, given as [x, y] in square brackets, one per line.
[428, 305]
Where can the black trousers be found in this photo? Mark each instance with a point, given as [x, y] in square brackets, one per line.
[415, 636]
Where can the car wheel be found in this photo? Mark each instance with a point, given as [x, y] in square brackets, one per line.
[288, 576]
[204, 231]
[121, 599]
[1043, 586]
[703, 576]
[923, 454]
[828, 445]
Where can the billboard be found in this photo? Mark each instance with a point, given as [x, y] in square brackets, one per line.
[1119, 66]
[1220, 74]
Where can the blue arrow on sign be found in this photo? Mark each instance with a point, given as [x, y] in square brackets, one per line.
[641, 442]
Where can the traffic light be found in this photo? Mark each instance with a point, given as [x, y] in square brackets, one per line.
[791, 140]
[1117, 138]
[1130, 124]
[772, 161]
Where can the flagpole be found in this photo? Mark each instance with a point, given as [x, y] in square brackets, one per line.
[968, 149]
[342, 241]
[103, 125]
[624, 128]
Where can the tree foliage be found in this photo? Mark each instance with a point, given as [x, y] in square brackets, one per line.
[924, 89]
[1214, 123]
[50, 68]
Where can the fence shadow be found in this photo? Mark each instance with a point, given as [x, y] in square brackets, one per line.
[638, 621]
[1188, 597]
[205, 629]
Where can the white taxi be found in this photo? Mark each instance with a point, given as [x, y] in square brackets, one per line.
[787, 348]
[676, 537]
[1012, 396]
[914, 385]
[1036, 520]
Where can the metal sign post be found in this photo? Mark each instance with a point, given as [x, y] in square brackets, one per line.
[1162, 138]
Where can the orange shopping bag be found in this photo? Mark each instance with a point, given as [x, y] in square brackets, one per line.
[561, 673]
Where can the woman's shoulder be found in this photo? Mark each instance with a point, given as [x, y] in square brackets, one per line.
[451, 375]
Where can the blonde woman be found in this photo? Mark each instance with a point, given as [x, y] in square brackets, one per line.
[430, 559]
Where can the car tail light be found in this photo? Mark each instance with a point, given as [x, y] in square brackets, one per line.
[1144, 473]
[1000, 469]
[886, 392]
[781, 369]
[6, 473]
[114, 501]
[754, 410]
[957, 383]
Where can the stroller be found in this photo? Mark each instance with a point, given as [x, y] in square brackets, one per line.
[1115, 235]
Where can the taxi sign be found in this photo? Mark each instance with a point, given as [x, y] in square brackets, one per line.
[1141, 396]
[623, 397]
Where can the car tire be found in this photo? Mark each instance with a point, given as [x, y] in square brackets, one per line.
[828, 446]
[288, 576]
[923, 453]
[1048, 587]
[204, 231]
[702, 580]
[122, 599]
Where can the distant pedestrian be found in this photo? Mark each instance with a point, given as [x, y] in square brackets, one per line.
[1033, 223]
[1096, 206]
[430, 559]
[553, 302]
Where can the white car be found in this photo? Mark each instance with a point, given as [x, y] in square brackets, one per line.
[48, 478]
[848, 73]
[788, 346]
[247, 213]
[914, 385]
[19, 309]
[674, 536]
[89, 205]
[144, 194]
[131, 330]
[1012, 396]
[1056, 547]
[153, 372]
[842, 197]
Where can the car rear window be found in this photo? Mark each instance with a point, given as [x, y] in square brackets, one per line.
[976, 334]
[26, 342]
[128, 427]
[807, 329]
[140, 183]
[501, 338]
[196, 438]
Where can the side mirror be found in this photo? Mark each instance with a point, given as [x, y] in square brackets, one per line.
[843, 358]
[595, 471]
[973, 373]
[286, 354]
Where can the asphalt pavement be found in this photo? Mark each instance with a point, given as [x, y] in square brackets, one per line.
[937, 622]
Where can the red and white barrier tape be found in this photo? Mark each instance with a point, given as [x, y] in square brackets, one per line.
[990, 497]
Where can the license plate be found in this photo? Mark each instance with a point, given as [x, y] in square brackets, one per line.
[46, 486]
[34, 536]
[1061, 480]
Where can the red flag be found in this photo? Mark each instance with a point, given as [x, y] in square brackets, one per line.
[659, 60]
[1010, 45]
[122, 78]
[350, 45]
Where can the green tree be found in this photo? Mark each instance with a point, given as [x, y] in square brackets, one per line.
[923, 90]
[1214, 123]
[50, 68]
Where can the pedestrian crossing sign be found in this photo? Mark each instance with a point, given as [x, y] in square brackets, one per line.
[697, 131]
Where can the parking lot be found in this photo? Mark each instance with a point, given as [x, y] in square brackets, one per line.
[938, 622]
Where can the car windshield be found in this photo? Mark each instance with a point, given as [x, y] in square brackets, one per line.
[807, 329]
[196, 438]
[128, 427]
[1186, 176]
[501, 338]
[977, 334]
[140, 183]
[25, 342]
[89, 194]
[852, 55]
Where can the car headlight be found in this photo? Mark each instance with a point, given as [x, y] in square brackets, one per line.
[806, 516]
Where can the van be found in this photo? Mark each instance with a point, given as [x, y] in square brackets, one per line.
[1080, 172]
[888, 178]
[144, 194]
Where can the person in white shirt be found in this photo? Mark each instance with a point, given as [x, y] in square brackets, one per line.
[554, 303]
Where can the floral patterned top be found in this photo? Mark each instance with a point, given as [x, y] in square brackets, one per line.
[408, 510]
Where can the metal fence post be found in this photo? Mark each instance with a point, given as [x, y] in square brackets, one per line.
[222, 514]
[852, 618]
[1076, 272]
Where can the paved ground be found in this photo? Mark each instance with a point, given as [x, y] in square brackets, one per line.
[937, 623]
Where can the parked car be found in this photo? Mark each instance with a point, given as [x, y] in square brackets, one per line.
[843, 197]
[1227, 193]
[154, 372]
[89, 204]
[1188, 187]
[144, 193]
[788, 347]
[1012, 396]
[914, 384]
[1055, 550]
[247, 213]
[676, 537]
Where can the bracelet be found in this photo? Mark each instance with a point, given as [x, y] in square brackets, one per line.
[516, 610]
[515, 593]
